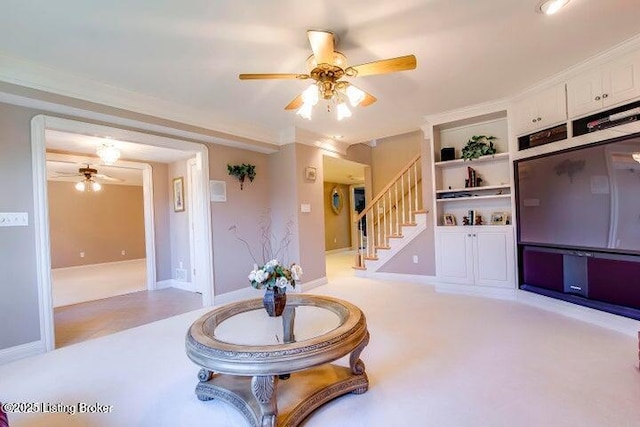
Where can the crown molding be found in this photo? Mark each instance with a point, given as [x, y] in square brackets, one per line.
[29, 98]
[52, 81]
[301, 136]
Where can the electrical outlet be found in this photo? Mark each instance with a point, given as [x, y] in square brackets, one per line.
[81, 254]
[415, 259]
[123, 252]
[14, 219]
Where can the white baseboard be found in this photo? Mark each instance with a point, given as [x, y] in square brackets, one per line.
[398, 277]
[173, 283]
[21, 351]
[115, 263]
[239, 295]
[307, 286]
[337, 251]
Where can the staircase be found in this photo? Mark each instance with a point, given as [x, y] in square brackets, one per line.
[392, 219]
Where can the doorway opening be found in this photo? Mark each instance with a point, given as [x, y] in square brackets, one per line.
[154, 151]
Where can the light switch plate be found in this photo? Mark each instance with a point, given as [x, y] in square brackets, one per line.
[305, 208]
[14, 219]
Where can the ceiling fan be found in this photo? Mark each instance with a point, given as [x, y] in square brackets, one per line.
[88, 181]
[327, 67]
[88, 173]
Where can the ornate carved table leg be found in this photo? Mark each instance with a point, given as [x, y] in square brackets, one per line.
[264, 390]
[357, 365]
[202, 394]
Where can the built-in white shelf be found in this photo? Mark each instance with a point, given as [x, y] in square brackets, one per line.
[475, 189]
[483, 159]
[466, 199]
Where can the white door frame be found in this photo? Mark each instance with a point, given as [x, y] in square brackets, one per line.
[192, 165]
[202, 217]
[147, 196]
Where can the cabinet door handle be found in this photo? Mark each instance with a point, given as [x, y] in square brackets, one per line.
[597, 98]
[539, 118]
[605, 95]
[533, 121]
[468, 235]
[474, 235]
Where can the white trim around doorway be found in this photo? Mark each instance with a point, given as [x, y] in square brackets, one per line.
[202, 214]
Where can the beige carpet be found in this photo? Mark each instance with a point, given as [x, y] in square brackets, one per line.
[433, 360]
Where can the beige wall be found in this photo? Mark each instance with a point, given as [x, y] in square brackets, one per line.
[162, 232]
[390, 155]
[244, 209]
[18, 285]
[311, 224]
[100, 225]
[179, 223]
[337, 228]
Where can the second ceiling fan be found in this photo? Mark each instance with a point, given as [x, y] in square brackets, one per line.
[327, 67]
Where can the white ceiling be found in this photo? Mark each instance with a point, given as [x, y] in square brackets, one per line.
[87, 144]
[187, 55]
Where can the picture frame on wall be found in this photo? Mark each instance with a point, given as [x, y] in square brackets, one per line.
[499, 218]
[178, 194]
[310, 173]
[449, 219]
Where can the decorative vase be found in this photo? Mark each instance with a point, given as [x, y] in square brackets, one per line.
[274, 301]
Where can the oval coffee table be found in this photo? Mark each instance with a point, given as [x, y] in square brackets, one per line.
[277, 370]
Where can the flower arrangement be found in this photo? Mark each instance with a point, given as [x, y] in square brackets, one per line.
[273, 274]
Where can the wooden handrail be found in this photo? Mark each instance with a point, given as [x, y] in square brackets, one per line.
[387, 187]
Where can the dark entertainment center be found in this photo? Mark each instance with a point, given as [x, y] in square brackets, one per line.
[578, 217]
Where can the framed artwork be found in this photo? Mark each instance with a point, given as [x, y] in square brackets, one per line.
[178, 194]
[449, 219]
[499, 218]
[310, 173]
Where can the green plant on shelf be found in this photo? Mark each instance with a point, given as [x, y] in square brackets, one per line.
[478, 145]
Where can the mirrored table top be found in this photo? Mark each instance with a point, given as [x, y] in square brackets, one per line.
[255, 327]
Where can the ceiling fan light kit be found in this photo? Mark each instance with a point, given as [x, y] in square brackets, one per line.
[326, 67]
[549, 7]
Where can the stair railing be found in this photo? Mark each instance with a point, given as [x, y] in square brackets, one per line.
[392, 208]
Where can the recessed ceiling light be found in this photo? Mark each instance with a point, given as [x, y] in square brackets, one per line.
[549, 7]
[338, 136]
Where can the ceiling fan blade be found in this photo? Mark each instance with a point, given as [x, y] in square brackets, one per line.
[272, 76]
[368, 100]
[392, 65]
[65, 174]
[295, 104]
[322, 45]
[107, 177]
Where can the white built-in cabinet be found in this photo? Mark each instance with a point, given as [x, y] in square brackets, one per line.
[613, 83]
[541, 110]
[473, 254]
[476, 255]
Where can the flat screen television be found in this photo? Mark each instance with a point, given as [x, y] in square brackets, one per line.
[584, 198]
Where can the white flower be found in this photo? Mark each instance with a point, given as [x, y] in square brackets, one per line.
[252, 275]
[296, 272]
[261, 276]
[271, 264]
[282, 282]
